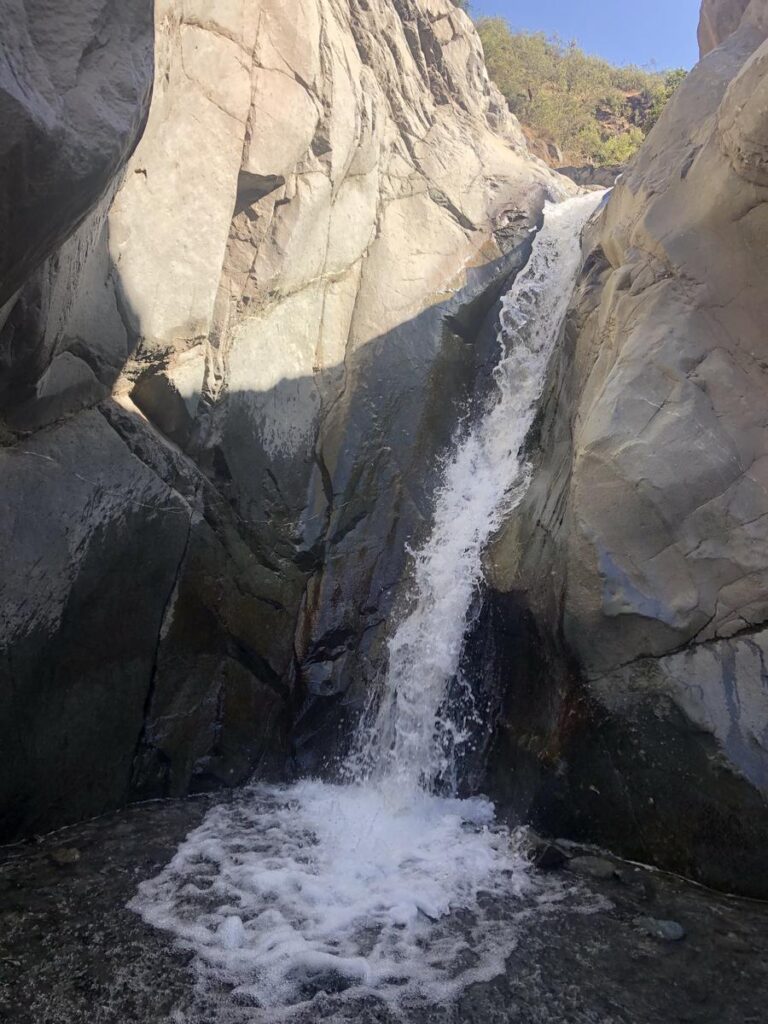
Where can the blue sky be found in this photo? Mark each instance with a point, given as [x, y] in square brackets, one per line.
[663, 31]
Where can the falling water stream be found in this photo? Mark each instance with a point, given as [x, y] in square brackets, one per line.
[356, 889]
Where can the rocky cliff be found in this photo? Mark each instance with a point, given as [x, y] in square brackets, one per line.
[233, 361]
[226, 394]
[634, 578]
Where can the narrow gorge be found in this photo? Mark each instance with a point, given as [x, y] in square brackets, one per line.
[386, 562]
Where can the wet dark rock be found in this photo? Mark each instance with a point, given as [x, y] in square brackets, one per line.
[65, 856]
[70, 953]
[593, 867]
[666, 931]
[545, 855]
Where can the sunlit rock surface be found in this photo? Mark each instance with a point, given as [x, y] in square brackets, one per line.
[721, 18]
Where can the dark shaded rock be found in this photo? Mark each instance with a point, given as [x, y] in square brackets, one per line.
[648, 785]
[133, 621]
[545, 855]
[665, 931]
[589, 176]
[74, 96]
[593, 867]
[78, 661]
[219, 700]
[162, 404]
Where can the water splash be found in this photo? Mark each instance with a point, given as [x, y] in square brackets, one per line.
[380, 888]
[314, 888]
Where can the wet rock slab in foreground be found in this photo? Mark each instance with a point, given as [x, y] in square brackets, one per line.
[71, 954]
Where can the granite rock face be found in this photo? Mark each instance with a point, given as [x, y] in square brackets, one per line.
[720, 18]
[231, 386]
[74, 95]
[639, 561]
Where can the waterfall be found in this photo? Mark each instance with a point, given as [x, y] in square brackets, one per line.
[379, 887]
[412, 738]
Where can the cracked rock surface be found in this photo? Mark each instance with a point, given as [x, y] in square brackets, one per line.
[641, 550]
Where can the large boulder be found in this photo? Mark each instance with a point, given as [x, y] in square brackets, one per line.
[719, 19]
[74, 95]
[638, 562]
[87, 524]
[274, 314]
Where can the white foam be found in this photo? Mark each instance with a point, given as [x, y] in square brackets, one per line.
[290, 891]
[379, 887]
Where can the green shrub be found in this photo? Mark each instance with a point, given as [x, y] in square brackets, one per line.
[595, 112]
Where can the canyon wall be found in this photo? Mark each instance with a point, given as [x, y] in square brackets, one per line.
[234, 359]
[226, 394]
[634, 577]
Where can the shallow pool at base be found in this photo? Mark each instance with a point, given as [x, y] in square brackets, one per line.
[290, 891]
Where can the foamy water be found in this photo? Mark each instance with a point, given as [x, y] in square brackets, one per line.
[379, 887]
[318, 887]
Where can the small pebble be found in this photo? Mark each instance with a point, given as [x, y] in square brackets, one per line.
[666, 931]
[544, 855]
[593, 867]
[64, 856]
[549, 858]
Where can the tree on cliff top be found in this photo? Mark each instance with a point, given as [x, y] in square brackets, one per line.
[593, 111]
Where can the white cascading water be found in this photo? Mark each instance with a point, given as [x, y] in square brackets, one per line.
[380, 888]
[483, 481]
